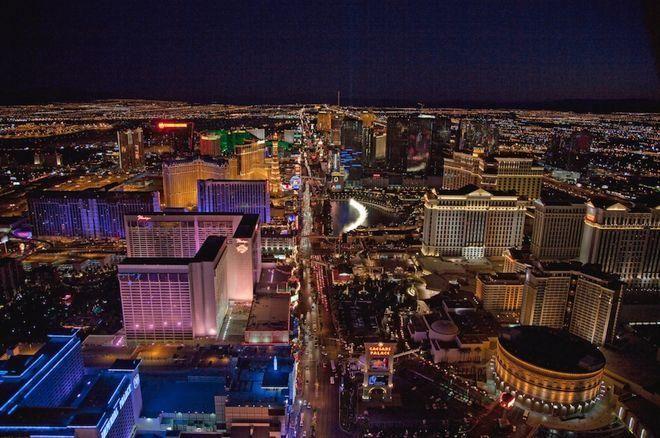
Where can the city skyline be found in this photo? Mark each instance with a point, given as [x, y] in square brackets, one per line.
[345, 219]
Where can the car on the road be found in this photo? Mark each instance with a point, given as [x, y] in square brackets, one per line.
[525, 415]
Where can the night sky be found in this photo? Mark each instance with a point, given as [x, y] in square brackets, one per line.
[374, 52]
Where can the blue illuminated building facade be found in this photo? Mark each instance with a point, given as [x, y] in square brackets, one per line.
[251, 395]
[93, 213]
[50, 393]
[234, 196]
[351, 160]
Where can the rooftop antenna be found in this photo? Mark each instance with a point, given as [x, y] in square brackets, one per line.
[338, 98]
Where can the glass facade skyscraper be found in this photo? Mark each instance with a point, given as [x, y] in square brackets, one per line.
[416, 144]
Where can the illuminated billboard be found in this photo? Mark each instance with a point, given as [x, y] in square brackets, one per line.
[172, 125]
[419, 146]
[379, 364]
[295, 182]
[378, 380]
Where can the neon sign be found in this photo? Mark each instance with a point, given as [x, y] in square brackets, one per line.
[242, 246]
[380, 350]
[115, 413]
[163, 125]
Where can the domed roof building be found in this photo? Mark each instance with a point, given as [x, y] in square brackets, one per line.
[548, 370]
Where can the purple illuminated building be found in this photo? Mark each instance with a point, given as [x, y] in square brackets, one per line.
[92, 213]
[234, 196]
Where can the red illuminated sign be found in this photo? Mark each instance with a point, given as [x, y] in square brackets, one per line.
[507, 400]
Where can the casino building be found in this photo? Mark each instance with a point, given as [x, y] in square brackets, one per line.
[50, 393]
[236, 196]
[175, 299]
[548, 370]
[501, 173]
[181, 235]
[471, 223]
[180, 178]
[378, 370]
[92, 213]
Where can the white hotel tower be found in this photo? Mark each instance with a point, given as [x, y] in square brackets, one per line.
[623, 240]
[471, 223]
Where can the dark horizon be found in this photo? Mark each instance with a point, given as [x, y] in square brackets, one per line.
[569, 55]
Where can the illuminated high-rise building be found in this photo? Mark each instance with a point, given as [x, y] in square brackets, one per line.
[374, 144]
[500, 293]
[368, 146]
[336, 170]
[181, 235]
[335, 129]
[367, 118]
[289, 135]
[234, 196]
[49, 392]
[131, 149]
[416, 144]
[569, 152]
[518, 174]
[477, 137]
[351, 133]
[174, 299]
[623, 240]
[11, 276]
[471, 223]
[180, 178]
[516, 260]
[209, 144]
[176, 135]
[274, 178]
[380, 146]
[90, 213]
[502, 173]
[579, 298]
[558, 223]
[250, 157]
[324, 121]
[462, 169]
